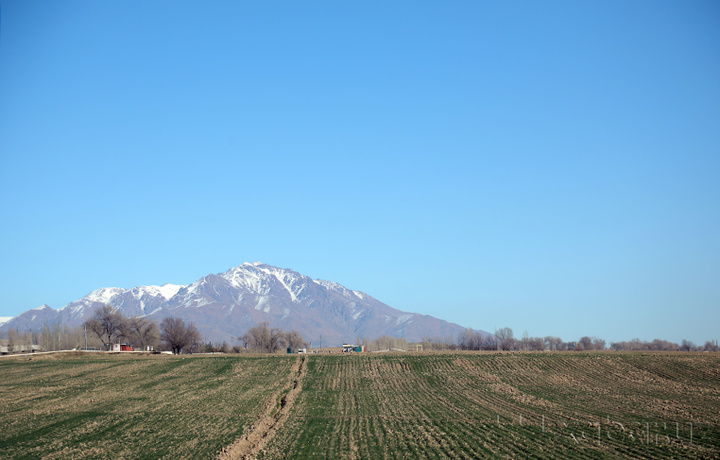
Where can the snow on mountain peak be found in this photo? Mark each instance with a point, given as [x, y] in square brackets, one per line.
[339, 288]
[259, 277]
[104, 295]
[167, 291]
[246, 295]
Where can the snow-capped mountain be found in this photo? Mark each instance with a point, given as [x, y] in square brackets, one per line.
[223, 306]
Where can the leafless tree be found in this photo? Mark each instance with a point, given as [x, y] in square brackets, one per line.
[637, 344]
[598, 343]
[108, 324]
[295, 339]
[466, 340]
[536, 344]
[142, 331]
[470, 339]
[505, 338]
[177, 335]
[584, 344]
[11, 340]
[388, 343]
[263, 338]
[687, 345]
[524, 342]
[489, 342]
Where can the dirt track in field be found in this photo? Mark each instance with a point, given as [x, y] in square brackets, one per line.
[271, 419]
[362, 406]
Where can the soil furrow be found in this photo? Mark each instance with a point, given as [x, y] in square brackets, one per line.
[273, 416]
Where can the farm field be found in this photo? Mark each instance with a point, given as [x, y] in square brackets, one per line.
[399, 405]
[480, 405]
[131, 406]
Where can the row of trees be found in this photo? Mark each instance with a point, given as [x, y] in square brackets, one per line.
[664, 345]
[384, 343]
[52, 336]
[110, 326]
[265, 339]
[504, 339]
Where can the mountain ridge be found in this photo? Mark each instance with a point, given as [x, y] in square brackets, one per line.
[225, 305]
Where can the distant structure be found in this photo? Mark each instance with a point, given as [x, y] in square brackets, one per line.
[347, 348]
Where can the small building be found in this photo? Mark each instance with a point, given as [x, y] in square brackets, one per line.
[347, 348]
[122, 347]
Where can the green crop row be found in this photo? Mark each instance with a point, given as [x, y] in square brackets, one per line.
[478, 405]
[433, 405]
[131, 406]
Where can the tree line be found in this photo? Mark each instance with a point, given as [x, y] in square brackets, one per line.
[111, 326]
[504, 339]
[52, 336]
[108, 326]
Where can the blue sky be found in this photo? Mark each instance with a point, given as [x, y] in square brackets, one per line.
[547, 166]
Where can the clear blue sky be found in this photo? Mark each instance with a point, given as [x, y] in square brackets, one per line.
[553, 167]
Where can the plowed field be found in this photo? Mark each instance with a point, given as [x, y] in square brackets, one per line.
[131, 406]
[432, 405]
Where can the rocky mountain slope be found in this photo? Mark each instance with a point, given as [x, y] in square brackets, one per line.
[223, 306]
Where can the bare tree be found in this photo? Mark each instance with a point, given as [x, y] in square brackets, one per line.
[177, 335]
[108, 324]
[505, 338]
[470, 339]
[637, 344]
[598, 343]
[536, 344]
[489, 342]
[388, 343]
[263, 338]
[584, 344]
[687, 345]
[142, 331]
[466, 340]
[524, 342]
[295, 339]
[11, 340]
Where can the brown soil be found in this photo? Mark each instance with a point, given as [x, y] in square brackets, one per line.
[271, 418]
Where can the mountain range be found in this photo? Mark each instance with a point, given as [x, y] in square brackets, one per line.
[224, 306]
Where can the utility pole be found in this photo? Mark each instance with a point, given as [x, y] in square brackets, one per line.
[85, 338]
